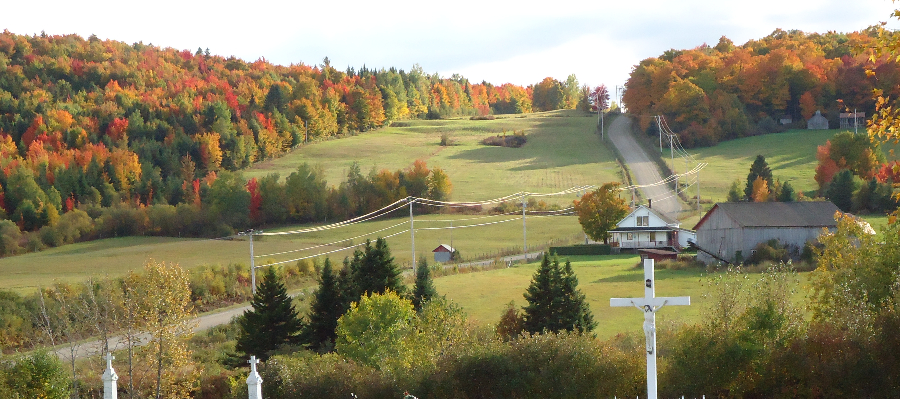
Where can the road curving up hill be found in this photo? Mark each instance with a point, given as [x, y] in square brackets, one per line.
[643, 170]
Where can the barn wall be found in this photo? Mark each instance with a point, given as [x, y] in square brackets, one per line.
[720, 235]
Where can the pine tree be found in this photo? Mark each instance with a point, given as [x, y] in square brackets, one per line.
[735, 194]
[759, 168]
[373, 270]
[840, 190]
[272, 322]
[327, 307]
[787, 193]
[424, 288]
[574, 313]
[554, 301]
[539, 295]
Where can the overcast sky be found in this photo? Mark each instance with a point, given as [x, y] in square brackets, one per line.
[519, 42]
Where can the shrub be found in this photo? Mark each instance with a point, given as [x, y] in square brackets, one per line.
[482, 118]
[445, 140]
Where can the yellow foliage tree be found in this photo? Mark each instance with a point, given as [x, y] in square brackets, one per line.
[161, 301]
[760, 190]
[599, 211]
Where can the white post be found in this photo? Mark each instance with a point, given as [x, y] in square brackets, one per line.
[109, 379]
[254, 381]
[650, 304]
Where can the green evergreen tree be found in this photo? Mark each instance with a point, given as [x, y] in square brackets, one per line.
[373, 270]
[840, 190]
[424, 290]
[735, 194]
[759, 168]
[571, 307]
[272, 322]
[787, 193]
[554, 301]
[327, 307]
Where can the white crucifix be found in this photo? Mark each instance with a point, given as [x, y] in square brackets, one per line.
[254, 381]
[109, 378]
[650, 304]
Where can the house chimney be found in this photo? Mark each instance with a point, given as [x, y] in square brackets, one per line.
[650, 203]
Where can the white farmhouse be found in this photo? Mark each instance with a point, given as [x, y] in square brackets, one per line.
[646, 228]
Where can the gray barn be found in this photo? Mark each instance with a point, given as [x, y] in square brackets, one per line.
[733, 229]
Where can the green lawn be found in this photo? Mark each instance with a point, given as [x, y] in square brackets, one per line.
[563, 151]
[116, 256]
[791, 156]
[484, 295]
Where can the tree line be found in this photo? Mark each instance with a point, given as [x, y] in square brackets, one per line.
[714, 93]
[89, 121]
[216, 206]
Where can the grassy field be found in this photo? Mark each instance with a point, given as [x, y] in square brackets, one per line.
[484, 295]
[562, 151]
[115, 257]
[791, 156]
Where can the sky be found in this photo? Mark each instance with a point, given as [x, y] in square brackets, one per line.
[518, 42]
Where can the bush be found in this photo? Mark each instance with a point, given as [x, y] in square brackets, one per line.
[593, 249]
[516, 140]
[773, 251]
[445, 139]
[482, 118]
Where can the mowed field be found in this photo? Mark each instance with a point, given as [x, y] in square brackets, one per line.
[791, 156]
[485, 295]
[562, 151]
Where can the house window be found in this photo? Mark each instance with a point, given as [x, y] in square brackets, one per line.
[643, 221]
[629, 236]
[652, 236]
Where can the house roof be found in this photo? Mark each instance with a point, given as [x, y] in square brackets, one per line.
[776, 214]
[664, 218]
[443, 248]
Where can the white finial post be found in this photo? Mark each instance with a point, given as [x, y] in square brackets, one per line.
[650, 304]
[109, 379]
[254, 381]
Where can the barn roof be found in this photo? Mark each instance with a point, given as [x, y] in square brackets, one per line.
[777, 214]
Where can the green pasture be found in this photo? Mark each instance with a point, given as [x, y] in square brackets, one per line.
[791, 156]
[563, 151]
[485, 295]
[116, 256]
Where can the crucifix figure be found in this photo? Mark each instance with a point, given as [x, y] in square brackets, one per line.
[109, 378]
[650, 304]
[254, 381]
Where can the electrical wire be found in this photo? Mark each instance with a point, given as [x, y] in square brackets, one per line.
[329, 252]
[332, 243]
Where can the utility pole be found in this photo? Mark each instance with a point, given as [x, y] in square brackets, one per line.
[412, 231]
[659, 128]
[524, 231]
[855, 125]
[672, 152]
[698, 191]
[250, 234]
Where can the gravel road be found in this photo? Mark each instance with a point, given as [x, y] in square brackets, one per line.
[642, 169]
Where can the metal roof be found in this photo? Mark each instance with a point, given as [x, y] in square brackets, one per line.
[443, 248]
[777, 214]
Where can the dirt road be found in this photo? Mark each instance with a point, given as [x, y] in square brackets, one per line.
[643, 170]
